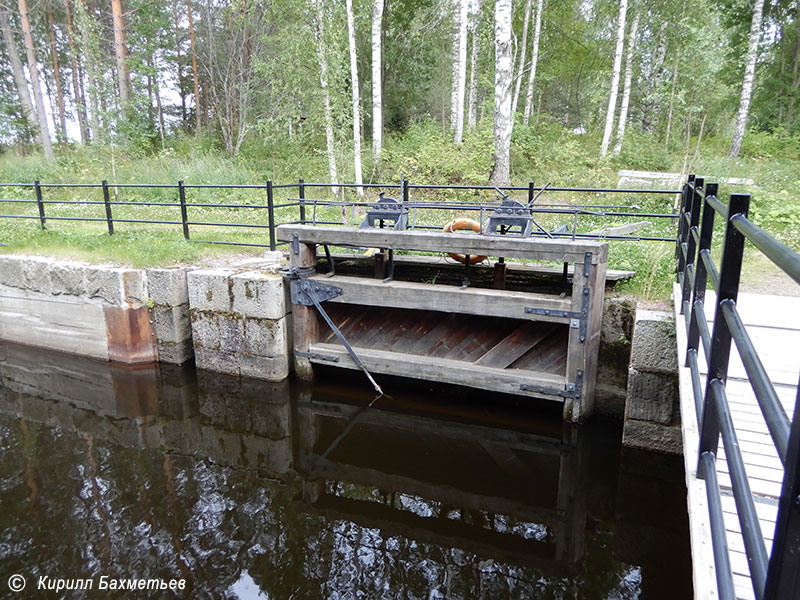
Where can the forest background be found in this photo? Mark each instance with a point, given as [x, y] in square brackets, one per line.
[441, 91]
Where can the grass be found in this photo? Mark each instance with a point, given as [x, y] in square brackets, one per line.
[545, 152]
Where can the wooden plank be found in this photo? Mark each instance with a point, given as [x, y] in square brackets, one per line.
[445, 298]
[514, 345]
[612, 275]
[549, 356]
[445, 371]
[429, 241]
[304, 318]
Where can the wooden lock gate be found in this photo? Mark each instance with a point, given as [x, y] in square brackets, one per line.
[528, 343]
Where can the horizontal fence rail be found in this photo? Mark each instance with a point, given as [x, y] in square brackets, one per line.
[298, 208]
[775, 575]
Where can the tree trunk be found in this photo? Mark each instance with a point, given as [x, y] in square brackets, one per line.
[612, 98]
[523, 48]
[179, 65]
[57, 76]
[33, 70]
[121, 52]
[19, 74]
[351, 36]
[672, 99]
[159, 107]
[377, 91]
[626, 90]
[504, 66]
[537, 32]
[194, 67]
[463, 15]
[319, 38]
[77, 85]
[472, 113]
[747, 83]
[455, 5]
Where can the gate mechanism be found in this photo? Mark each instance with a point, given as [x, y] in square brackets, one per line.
[386, 209]
[310, 292]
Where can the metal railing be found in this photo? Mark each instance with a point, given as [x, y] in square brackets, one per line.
[108, 197]
[775, 574]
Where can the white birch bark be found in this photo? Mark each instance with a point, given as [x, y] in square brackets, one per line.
[747, 83]
[377, 89]
[33, 70]
[626, 89]
[461, 83]
[523, 49]
[504, 66]
[455, 6]
[615, 71]
[537, 32]
[472, 112]
[19, 74]
[351, 36]
[330, 145]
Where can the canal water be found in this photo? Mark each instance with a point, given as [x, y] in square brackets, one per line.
[245, 489]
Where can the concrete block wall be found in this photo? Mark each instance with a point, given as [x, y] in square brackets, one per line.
[240, 321]
[168, 298]
[652, 409]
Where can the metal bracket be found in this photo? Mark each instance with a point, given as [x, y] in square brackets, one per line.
[571, 390]
[295, 244]
[578, 320]
[306, 291]
[587, 264]
[316, 356]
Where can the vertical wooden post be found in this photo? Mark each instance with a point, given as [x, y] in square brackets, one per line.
[304, 318]
[589, 279]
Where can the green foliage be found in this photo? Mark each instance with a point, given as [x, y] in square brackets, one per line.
[775, 144]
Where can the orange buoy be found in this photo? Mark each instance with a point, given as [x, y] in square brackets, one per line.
[458, 224]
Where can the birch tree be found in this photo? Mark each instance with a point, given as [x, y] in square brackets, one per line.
[615, 72]
[523, 49]
[351, 37]
[33, 70]
[377, 91]
[20, 82]
[322, 59]
[472, 110]
[747, 83]
[78, 100]
[626, 89]
[502, 93]
[195, 77]
[461, 81]
[537, 32]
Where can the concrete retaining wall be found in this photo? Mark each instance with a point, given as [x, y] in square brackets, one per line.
[652, 410]
[240, 322]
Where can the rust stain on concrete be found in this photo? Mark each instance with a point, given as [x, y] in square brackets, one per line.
[131, 337]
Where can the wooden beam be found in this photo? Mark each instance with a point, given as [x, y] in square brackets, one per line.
[429, 241]
[445, 298]
[304, 318]
[514, 345]
[443, 370]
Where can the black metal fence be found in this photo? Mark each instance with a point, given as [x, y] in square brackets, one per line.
[775, 575]
[307, 208]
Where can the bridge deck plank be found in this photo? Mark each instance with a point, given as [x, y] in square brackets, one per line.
[773, 323]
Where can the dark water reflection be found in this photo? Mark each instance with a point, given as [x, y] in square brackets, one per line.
[254, 490]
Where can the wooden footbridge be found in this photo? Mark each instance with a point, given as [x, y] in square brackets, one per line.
[740, 362]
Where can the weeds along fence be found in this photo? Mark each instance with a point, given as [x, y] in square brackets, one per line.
[246, 215]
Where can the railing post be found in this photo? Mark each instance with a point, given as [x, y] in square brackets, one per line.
[404, 185]
[531, 191]
[38, 189]
[700, 272]
[729, 274]
[184, 217]
[784, 561]
[694, 212]
[107, 202]
[685, 199]
[301, 186]
[271, 216]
